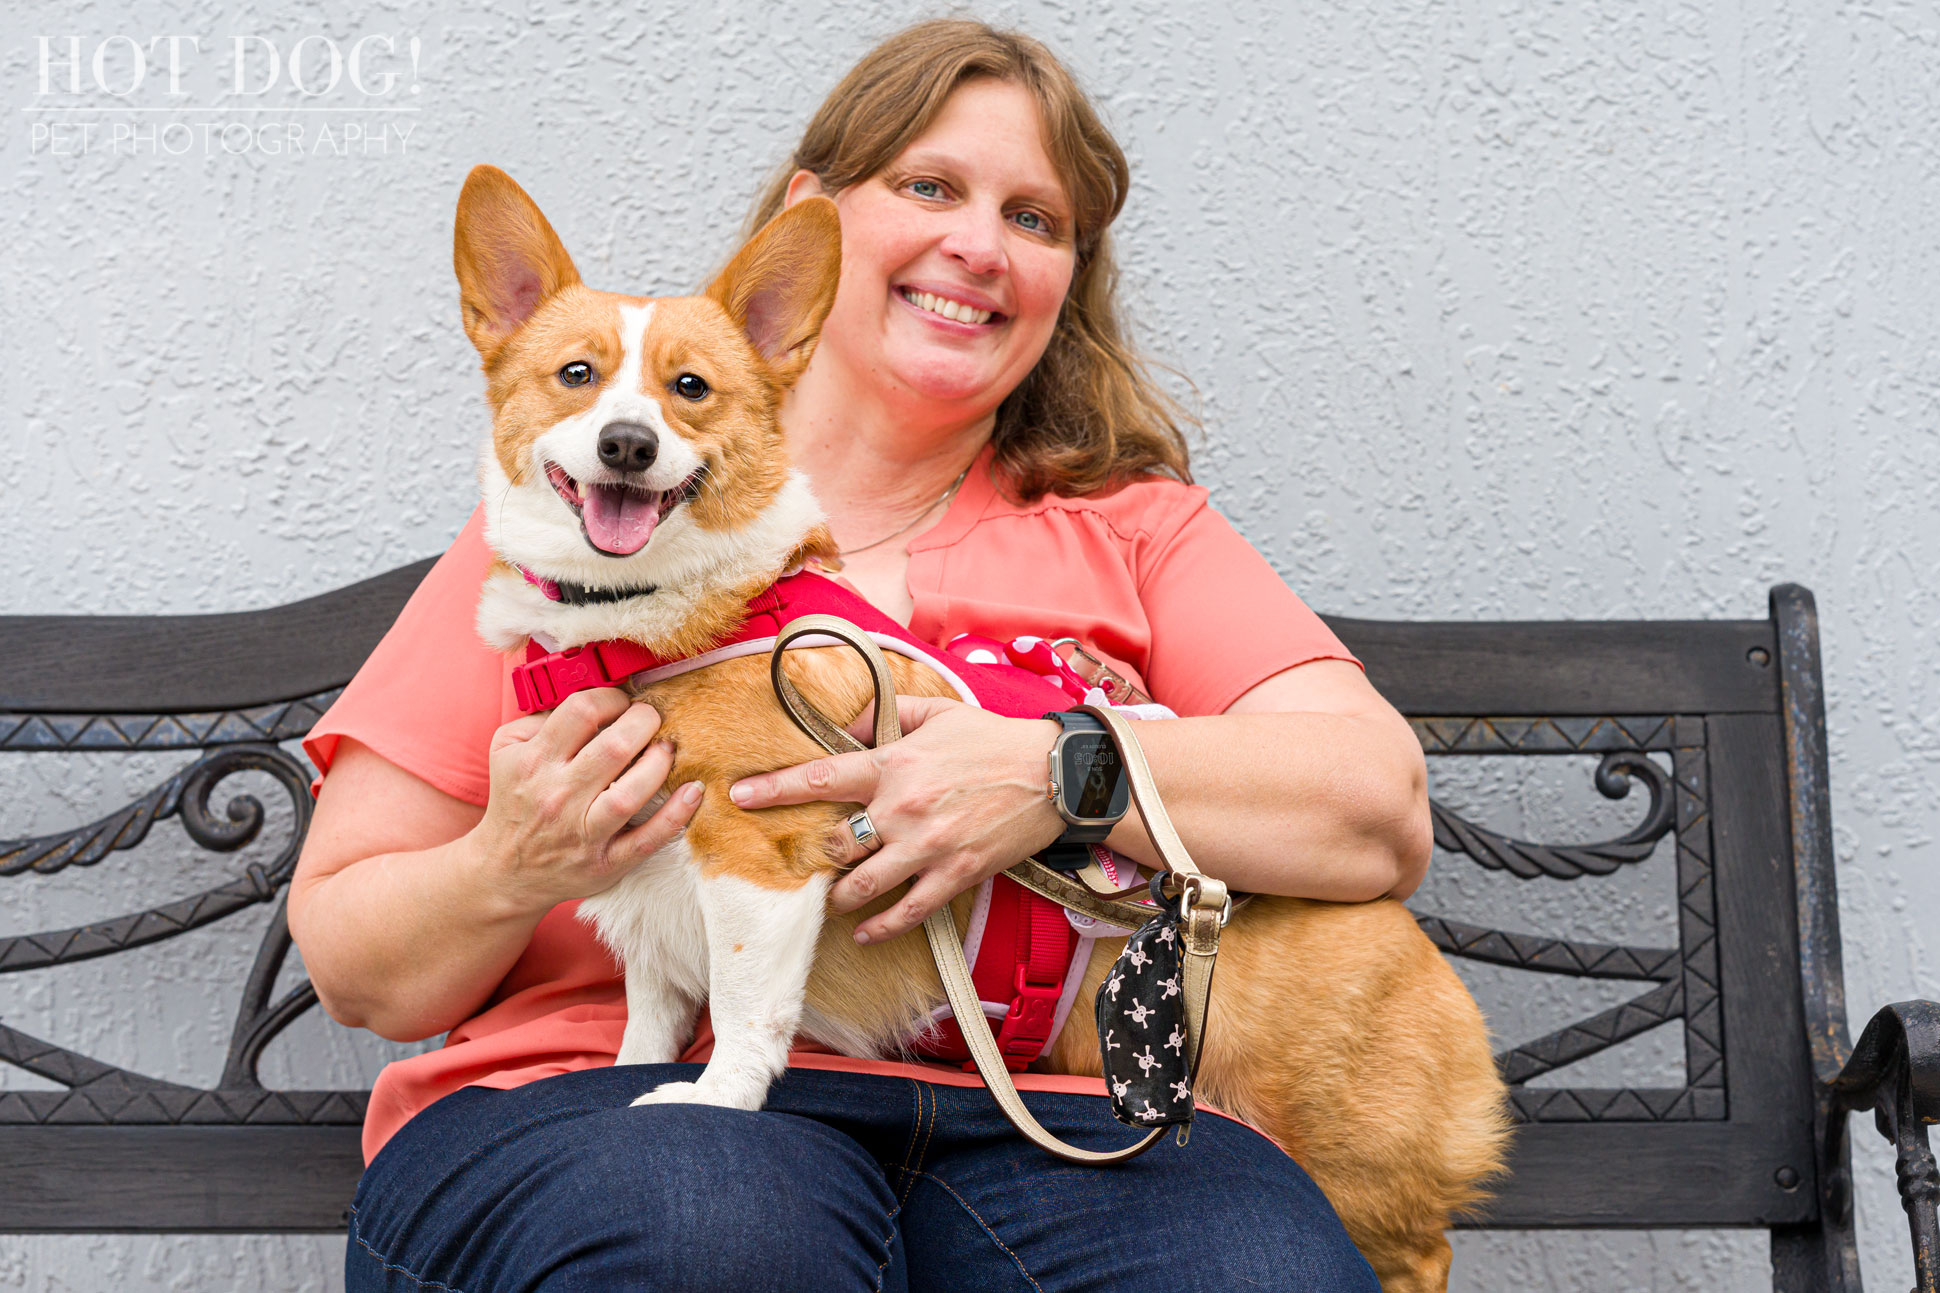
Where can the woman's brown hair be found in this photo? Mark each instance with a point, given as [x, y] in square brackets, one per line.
[1089, 415]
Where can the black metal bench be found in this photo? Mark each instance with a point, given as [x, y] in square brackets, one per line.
[1722, 722]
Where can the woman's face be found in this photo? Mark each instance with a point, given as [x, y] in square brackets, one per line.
[955, 258]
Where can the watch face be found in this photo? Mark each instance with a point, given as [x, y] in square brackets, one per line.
[1094, 776]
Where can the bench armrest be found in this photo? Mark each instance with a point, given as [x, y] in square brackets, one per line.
[1895, 1072]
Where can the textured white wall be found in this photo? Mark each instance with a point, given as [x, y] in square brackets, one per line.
[1509, 310]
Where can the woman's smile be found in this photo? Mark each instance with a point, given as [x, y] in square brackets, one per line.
[950, 305]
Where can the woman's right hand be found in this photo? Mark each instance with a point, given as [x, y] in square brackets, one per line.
[564, 785]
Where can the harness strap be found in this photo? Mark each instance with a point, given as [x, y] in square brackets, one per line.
[1206, 903]
[1042, 955]
[546, 678]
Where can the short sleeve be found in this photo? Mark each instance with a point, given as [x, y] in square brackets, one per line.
[430, 696]
[1223, 621]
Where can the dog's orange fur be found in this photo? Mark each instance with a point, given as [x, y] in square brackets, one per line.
[1338, 1029]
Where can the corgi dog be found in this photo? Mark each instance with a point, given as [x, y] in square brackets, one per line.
[636, 461]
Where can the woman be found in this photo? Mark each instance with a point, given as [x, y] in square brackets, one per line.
[992, 459]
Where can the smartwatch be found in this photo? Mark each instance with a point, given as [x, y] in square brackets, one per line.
[1088, 787]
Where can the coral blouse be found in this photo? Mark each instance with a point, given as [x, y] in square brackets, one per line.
[1150, 578]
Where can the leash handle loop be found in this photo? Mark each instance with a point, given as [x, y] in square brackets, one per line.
[815, 725]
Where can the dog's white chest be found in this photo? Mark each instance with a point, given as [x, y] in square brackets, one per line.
[652, 920]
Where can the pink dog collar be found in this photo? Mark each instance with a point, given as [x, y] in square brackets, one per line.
[547, 586]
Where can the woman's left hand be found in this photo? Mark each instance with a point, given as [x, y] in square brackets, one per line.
[959, 798]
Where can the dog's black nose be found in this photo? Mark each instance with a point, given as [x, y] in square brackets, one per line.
[628, 446]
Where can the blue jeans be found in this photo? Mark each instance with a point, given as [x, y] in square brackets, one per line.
[844, 1181]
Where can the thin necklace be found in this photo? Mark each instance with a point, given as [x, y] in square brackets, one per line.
[948, 494]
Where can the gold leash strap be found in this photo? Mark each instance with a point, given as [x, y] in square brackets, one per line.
[1120, 908]
[815, 724]
[962, 991]
[1206, 903]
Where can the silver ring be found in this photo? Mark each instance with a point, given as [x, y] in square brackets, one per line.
[864, 830]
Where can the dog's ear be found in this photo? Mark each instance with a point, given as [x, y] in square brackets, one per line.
[507, 257]
[780, 286]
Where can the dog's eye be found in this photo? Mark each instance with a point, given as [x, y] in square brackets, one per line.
[690, 387]
[577, 373]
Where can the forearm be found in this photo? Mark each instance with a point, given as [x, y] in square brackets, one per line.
[1313, 805]
[409, 945]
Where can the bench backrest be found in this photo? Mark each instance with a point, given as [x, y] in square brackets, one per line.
[1720, 722]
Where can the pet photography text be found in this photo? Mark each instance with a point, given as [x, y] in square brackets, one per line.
[150, 95]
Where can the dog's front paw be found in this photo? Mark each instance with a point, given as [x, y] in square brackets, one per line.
[699, 1093]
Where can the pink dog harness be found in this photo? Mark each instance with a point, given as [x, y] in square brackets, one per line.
[1026, 952]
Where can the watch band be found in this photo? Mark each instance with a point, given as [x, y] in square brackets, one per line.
[1060, 856]
[1068, 852]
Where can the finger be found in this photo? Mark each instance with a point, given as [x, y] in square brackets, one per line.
[911, 713]
[836, 778]
[930, 892]
[643, 841]
[517, 731]
[616, 745]
[844, 849]
[875, 875]
[569, 727]
[631, 791]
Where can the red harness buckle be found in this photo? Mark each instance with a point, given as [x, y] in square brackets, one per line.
[542, 683]
[1027, 1027]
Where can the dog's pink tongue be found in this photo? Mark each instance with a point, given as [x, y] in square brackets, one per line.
[619, 520]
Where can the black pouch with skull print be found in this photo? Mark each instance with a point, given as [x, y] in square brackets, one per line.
[1142, 1027]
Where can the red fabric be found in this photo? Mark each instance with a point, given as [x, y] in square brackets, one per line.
[1149, 577]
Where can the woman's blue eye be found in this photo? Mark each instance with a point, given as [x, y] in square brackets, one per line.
[1033, 221]
[926, 188]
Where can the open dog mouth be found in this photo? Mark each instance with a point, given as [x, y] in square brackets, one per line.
[619, 519]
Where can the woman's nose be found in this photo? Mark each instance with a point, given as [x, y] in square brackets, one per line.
[976, 240]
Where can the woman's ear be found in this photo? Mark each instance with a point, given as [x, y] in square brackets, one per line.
[779, 287]
[803, 184]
